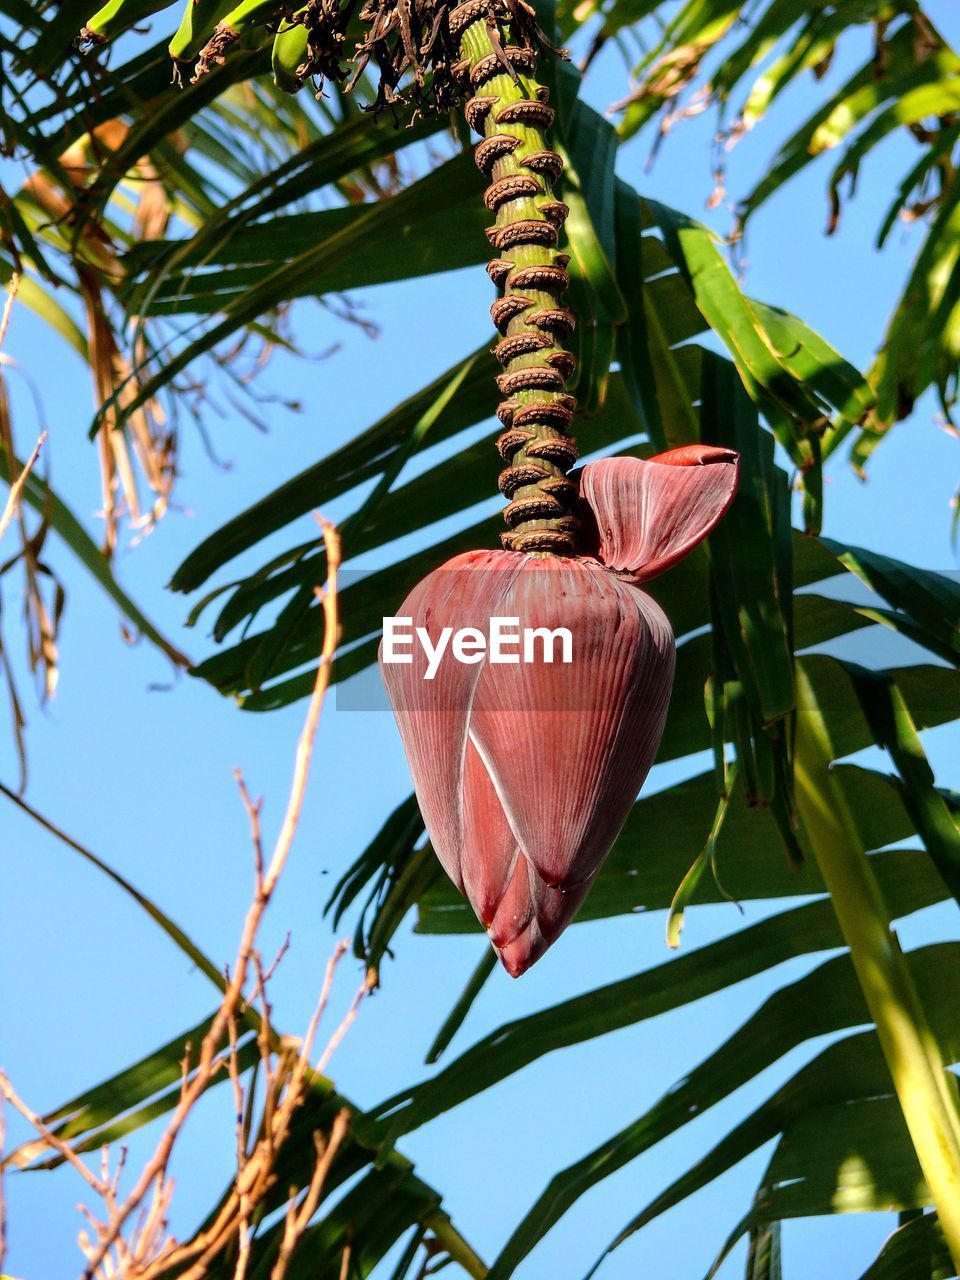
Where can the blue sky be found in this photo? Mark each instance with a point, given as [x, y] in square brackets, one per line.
[143, 776]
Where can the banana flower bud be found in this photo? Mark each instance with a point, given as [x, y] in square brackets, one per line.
[525, 770]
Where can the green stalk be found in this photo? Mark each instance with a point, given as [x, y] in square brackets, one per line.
[510, 109]
[453, 1242]
[926, 1089]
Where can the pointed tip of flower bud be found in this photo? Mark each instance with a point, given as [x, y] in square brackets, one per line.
[523, 952]
[542, 913]
[647, 514]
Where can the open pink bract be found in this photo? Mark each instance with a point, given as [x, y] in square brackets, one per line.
[525, 771]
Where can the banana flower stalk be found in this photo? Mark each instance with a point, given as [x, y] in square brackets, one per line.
[525, 771]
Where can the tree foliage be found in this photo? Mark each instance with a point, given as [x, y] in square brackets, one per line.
[165, 233]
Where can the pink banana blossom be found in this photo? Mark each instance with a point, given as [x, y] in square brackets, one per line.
[525, 771]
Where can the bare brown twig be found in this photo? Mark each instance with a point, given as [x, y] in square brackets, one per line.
[9, 1093]
[13, 288]
[16, 484]
[16, 487]
[41, 613]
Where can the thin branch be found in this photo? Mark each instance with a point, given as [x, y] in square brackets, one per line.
[297, 1220]
[65, 1150]
[345, 1262]
[368, 985]
[331, 636]
[13, 288]
[16, 488]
